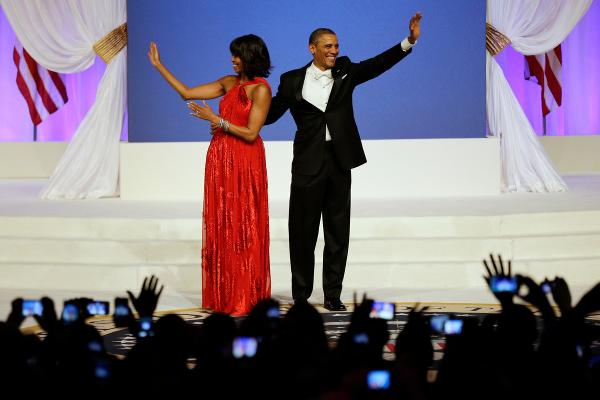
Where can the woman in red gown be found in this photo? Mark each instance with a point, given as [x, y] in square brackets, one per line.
[235, 236]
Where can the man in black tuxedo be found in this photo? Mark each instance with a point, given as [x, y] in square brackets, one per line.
[327, 146]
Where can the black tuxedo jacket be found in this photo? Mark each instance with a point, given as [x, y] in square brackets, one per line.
[309, 142]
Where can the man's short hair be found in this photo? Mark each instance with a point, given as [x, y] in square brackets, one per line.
[314, 37]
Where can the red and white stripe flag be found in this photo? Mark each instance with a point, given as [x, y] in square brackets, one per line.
[546, 70]
[43, 90]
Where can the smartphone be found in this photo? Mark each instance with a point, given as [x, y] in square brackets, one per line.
[504, 284]
[378, 380]
[70, 312]
[383, 310]
[98, 308]
[32, 307]
[437, 322]
[453, 326]
[102, 370]
[361, 338]
[244, 346]
[122, 309]
[145, 327]
[273, 312]
[546, 287]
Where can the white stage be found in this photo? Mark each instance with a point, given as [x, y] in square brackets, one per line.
[417, 247]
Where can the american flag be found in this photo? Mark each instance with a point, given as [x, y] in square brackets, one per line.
[43, 90]
[546, 70]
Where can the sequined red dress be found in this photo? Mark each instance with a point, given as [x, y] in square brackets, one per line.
[235, 237]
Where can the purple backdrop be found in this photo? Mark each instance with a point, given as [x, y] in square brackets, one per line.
[580, 110]
[579, 114]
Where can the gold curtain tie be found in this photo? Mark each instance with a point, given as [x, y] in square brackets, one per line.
[495, 41]
[110, 45]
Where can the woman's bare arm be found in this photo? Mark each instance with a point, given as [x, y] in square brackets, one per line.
[261, 100]
[201, 92]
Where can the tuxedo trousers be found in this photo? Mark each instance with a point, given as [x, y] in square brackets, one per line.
[328, 194]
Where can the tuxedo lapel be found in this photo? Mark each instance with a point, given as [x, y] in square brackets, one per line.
[338, 75]
[299, 84]
[334, 89]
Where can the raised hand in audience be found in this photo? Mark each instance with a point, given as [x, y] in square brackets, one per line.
[413, 344]
[535, 296]
[561, 295]
[48, 321]
[497, 270]
[16, 318]
[590, 302]
[147, 300]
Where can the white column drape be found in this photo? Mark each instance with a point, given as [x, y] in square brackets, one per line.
[60, 36]
[534, 27]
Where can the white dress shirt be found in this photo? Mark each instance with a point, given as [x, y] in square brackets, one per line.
[318, 84]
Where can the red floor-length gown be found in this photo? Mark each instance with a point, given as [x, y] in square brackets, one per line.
[235, 237]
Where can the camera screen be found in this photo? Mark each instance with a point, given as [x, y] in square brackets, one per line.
[70, 312]
[437, 322]
[244, 347]
[502, 284]
[382, 310]
[98, 308]
[273, 312]
[547, 287]
[32, 307]
[361, 338]
[145, 327]
[378, 380]
[453, 326]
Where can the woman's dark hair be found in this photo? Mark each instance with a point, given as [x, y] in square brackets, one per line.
[254, 55]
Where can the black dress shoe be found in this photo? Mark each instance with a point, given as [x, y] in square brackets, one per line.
[334, 305]
[300, 301]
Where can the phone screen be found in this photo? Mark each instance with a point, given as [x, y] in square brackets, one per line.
[70, 312]
[378, 380]
[437, 322]
[121, 307]
[453, 326]
[98, 308]
[503, 284]
[32, 307]
[145, 327]
[383, 310]
[244, 347]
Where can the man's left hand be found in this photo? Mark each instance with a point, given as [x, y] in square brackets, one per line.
[415, 28]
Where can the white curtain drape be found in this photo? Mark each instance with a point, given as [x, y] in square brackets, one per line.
[533, 27]
[60, 36]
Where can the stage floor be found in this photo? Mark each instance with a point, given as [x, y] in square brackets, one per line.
[434, 226]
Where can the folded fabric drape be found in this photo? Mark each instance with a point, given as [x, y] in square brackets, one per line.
[60, 36]
[532, 27]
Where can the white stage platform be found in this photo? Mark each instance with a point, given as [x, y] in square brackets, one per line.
[403, 248]
[427, 249]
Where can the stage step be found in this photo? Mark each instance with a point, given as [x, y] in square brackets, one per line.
[398, 253]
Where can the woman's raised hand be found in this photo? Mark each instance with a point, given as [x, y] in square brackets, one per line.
[153, 55]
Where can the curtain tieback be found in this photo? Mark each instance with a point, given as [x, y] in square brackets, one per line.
[111, 44]
[495, 41]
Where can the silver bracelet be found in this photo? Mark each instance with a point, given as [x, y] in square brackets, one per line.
[223, 124]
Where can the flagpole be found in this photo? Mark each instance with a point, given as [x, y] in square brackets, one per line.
[544, 125]
[34, 132]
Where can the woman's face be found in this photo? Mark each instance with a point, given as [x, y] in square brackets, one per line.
[238, 66]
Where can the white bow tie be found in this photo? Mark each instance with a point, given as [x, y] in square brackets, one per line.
[318, 74]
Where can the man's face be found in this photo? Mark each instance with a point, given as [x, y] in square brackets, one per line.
[325, 51]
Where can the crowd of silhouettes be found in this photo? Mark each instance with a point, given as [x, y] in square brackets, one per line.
[506, 355]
